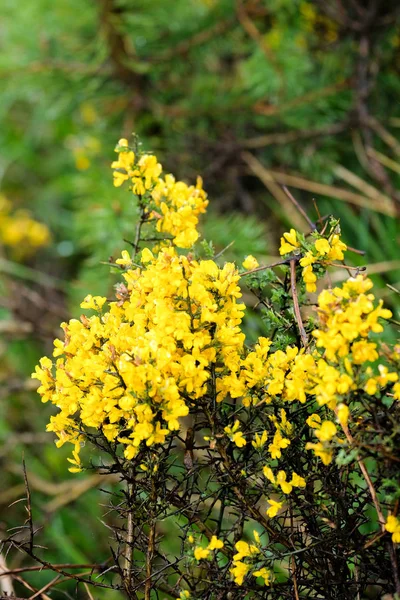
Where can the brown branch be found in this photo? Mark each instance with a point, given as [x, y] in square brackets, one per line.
[288, 137]
[299, 207]
[267, 175]
[28, 507]
[366, 476]
[51, 567]
[296, 306]
[129, 539]
[44, 568]
[151, 541]
[284, 261]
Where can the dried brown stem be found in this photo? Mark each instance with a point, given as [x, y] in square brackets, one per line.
[367, 478]
[296, 306]
[129, 539]
[151, 542]
[299, 207]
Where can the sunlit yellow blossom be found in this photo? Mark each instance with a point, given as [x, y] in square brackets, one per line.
[322, 246]
[264, 573]
[274, 508]
[309, 279]
[259, 441]
[141, 359]
[343, 414]
[200, 553]
[393, 527]
[277, 445]
[235, 435]
[314, 421]
[239, 571]
[215, 543]
[289, 242]
[93, 302]
[308, 259]
[244, 549]
[250, 263]
[324, 453]
[326, 432]
[337, 248]
[125, 260]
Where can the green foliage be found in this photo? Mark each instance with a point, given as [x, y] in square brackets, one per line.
[199, 86]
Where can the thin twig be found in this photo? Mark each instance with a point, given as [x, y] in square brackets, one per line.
[284, 261]
[6, 585]
[151, 541]
[45, 587]
[130, 529]
[299, 207]
[367, 478]
[296, 306]
[28, 507]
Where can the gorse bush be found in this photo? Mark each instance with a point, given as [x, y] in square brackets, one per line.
[274, 468]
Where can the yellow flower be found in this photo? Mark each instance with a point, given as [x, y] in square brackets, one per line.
[277, 445]
[146, 256]
[259, 441]
[298, 481]
[215, 543]
[93, 302]
[274, 508]
[393, 527]
[256, 536]
[235, 435]
[200, 553]
[286, 486]
[309, 279]
[250, 263]
[322, 246]
[325, 454]
[326, 432]
[337, 248]
[244, 549]
[269, 474]
[289, 242]
[264, 573]
[308, 259]
[125, 260]
[314, 421]
[343, 414]
[239, 571]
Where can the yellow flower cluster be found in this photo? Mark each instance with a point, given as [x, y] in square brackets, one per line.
[179, 205]
[347, 315]
[202, 553]
[172, 339]
[322, 250]
[281, 480]
[174, 205]
[235, 435]
[20, 231]
[131, 371]
[245, 558]
[393, 527]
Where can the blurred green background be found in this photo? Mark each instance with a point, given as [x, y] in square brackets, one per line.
[249, 94]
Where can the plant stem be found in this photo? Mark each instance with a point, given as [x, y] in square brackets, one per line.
[296, 306]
